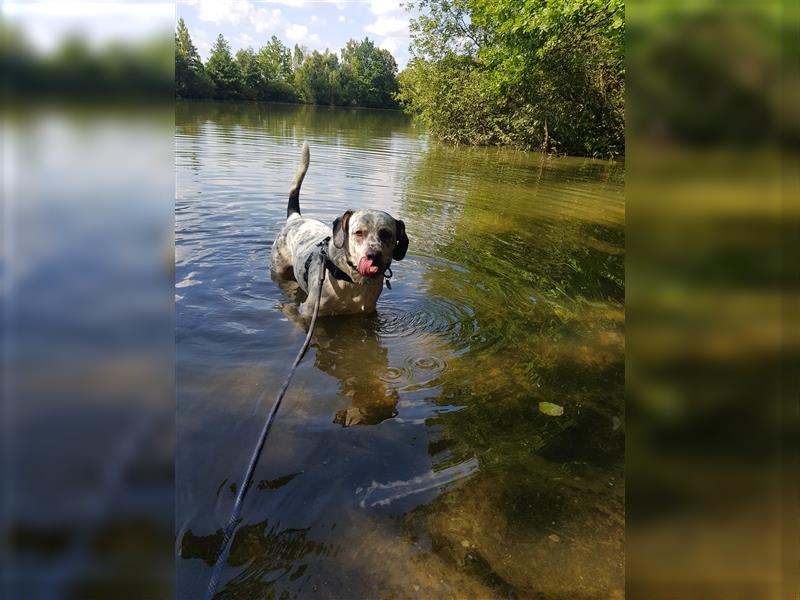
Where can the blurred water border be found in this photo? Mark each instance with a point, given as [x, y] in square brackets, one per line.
[712, 324]
[87, 300]
[711, 280]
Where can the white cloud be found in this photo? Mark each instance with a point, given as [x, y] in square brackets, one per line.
[296, 32]
[236, 11]
[299, 33]
[266, 20]
[203, 41]
[218, 11]
[391, 44]
[398, 46]
[342, 19]
[246, 40]
[381, 7]
[385, 26]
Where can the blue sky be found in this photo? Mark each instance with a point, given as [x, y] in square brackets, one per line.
[316, 24]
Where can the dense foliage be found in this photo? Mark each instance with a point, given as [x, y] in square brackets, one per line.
[535, 74]
[364, 76]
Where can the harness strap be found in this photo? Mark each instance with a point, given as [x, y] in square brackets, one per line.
[336, 271]
[329, 264]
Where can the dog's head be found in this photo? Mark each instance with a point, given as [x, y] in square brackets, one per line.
[370, 240]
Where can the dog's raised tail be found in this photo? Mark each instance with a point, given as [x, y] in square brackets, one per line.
[294, 191]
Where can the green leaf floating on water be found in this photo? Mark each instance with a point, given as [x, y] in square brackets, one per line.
[550, 409]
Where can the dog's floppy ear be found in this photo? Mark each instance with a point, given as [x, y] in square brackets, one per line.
[402, 240]
[341, 228]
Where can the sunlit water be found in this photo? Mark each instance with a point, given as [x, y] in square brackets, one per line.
[410, 457]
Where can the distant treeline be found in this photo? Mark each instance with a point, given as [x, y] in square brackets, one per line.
[364, 76]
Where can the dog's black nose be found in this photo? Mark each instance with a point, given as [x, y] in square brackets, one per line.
[374, 256]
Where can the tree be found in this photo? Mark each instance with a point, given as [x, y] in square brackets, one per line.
[190, 77]
[223, 71]
[545, 74]
[250, 74]
[317, 79]
[276, 61]
[298, 56]
[369, 75]
[565, 59]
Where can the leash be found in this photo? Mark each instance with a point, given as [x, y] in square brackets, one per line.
[251, 467]
[336, 272]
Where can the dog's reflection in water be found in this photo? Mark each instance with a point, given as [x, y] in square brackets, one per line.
[348, 348]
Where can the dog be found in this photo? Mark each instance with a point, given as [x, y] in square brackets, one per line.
[355, 253]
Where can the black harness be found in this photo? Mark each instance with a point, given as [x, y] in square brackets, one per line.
[329, 264]
[333, 269]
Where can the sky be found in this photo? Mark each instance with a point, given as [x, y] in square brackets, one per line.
[316, 24]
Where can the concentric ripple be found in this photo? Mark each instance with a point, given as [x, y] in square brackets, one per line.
[429, 363]
[421, 313]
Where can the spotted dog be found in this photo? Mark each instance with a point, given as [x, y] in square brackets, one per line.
[356, 253]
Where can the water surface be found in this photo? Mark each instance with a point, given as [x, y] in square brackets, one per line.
[410, 457]
[88, 413]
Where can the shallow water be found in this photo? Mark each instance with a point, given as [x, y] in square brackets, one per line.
[410, 457]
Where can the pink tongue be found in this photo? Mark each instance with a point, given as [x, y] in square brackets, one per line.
[366, 268]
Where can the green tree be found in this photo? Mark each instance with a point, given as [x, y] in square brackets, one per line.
[190, 78]
[276, 61]
[298, 56]
[223, 71]
[545, 74]
[368, 75]
[250, 73]
[317, 79]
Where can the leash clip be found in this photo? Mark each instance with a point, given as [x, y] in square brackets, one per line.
[388, 277]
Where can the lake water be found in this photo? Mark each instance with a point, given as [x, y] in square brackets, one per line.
[410, 457]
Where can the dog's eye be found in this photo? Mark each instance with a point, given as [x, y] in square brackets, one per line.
[385, 235]
[358, 233]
